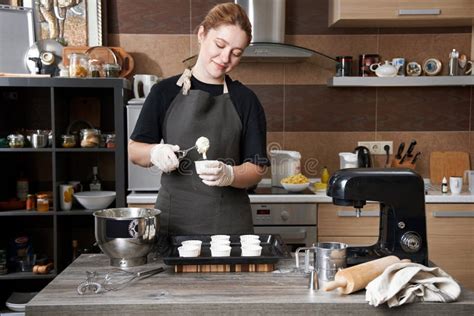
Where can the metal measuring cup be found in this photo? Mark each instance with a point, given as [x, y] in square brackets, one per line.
[328, 258]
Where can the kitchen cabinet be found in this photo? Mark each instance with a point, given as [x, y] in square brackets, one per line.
[339, 223]
[53, 104]
[401, 13]
[450, 230]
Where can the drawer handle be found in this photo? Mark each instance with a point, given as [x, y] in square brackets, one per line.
[301, 235]
[419, 12]
[362, 213]
[455, 214]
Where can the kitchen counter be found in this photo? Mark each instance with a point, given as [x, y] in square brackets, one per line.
[433, 195]
[275, 293]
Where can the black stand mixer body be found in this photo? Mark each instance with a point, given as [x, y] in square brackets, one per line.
[401, 194]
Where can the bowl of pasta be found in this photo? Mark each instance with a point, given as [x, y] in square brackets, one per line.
[295, 183]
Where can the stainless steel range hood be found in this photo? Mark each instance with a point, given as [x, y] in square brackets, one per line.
[268, 33]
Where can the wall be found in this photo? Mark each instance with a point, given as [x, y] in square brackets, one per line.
[302, 112]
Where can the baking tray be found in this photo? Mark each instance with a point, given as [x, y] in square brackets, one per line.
[273, 249]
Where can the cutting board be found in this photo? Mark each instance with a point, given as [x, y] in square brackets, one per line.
[447, 164]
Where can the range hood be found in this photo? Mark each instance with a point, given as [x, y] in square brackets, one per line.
[268, 33]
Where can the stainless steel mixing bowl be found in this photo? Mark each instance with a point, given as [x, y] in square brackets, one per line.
[126, 235]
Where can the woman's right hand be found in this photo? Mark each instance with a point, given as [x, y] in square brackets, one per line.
[163, 156]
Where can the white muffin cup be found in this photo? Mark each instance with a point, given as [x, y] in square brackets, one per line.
[250, 242]
[189, 251]
[202, 165]
[251, 251]
[220, 237]
[220, 242]
[220, 251]
[244, 238]
[187, 243]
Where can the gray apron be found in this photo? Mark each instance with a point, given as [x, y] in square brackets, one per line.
[188, 205]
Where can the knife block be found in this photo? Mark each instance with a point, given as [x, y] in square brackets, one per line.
[406, 164]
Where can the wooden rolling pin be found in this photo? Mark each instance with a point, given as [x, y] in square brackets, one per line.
[357, 277]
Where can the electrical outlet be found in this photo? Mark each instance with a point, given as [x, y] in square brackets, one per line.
[376, 148]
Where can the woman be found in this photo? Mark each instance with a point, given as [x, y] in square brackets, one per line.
[205, 102]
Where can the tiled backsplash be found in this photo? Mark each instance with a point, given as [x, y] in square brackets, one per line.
[302, 112]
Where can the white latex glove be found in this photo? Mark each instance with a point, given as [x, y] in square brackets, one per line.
[217, 173]
[163, 156]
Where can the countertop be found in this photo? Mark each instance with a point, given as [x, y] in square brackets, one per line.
[433, 195]
[281, 292]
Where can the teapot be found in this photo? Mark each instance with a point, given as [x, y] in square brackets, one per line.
[385, 70]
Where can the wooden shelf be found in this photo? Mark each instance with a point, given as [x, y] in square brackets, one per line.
[422, 81]
[25, 213]
[86, 150]
[75, 212]
[34, 150]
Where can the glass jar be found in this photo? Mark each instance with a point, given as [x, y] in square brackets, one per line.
[30, 202]
[110, 141]
[90, 137]
[42, 203]
[112, 70]
[94, 71]
[16, 140]
[78, 65]
[68, 141]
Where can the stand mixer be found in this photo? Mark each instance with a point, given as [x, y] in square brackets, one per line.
[400, 192]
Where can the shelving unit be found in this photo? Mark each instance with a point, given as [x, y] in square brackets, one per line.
[52, 104]
[422, 81]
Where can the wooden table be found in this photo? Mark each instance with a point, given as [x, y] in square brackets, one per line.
[283, 292]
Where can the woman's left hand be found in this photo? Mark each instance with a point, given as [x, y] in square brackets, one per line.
[217, 173]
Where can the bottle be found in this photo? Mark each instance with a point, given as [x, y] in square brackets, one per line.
[95, 184]
[325, 175]
[453, 63]
[444, 185]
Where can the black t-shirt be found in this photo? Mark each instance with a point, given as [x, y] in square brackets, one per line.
[149, 127]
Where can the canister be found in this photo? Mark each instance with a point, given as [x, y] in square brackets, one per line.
[78, 65]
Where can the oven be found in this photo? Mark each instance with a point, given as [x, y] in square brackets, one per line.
[294, 222]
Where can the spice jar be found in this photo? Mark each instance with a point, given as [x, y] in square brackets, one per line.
[16, 140]
[69, 141]
[42, 203]
[112, 70]
[110, 141]
[94, 71]
[78, 65]
[30, 202]
[90, 137]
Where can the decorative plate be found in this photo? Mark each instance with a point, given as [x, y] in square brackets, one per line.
[413, 69]
[432, 66]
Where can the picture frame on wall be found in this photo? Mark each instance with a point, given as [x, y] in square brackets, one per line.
[70, 22]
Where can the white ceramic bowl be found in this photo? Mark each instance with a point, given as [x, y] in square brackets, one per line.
[220, 251]
[250, 242]
[220, 242]
[201, 165]
[251, 251]
[220, 237]
[192, 243]
[295, 187]
[244, 238]
[95, 200]
[189, 251]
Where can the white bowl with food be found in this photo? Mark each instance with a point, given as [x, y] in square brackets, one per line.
[251, 251]
[95, 200]
[202, 165]
[295, 183]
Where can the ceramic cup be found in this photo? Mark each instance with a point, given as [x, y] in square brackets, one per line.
[455, 184]
[65, 196]
[399, 62]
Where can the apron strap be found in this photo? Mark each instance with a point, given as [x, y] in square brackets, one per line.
[185, 81]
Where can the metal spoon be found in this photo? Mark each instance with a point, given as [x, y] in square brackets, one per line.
[182, 153]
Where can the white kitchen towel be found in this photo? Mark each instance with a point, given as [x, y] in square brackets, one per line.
[409, 282]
